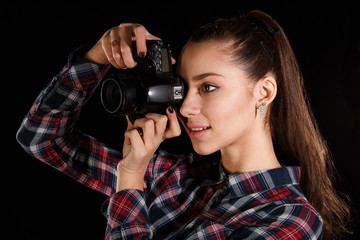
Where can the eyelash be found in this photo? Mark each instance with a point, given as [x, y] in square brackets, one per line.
[205, 88]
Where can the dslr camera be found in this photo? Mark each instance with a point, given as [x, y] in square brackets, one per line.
[150, 87]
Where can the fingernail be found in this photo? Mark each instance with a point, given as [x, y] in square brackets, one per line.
[171, 109]
[142, 55]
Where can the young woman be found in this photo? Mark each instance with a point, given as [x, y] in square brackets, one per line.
[245, 100]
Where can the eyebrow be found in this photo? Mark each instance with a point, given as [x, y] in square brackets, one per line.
[205, 75]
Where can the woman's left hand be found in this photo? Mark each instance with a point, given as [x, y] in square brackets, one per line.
[141, 141]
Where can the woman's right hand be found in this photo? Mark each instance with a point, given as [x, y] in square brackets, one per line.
[115, 45]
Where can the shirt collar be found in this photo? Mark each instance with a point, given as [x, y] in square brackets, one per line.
[251, 182]
[242, 184]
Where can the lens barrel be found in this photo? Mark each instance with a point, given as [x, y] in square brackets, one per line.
[112, 96]
[122, 94]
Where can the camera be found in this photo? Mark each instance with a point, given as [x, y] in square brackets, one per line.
[150, 87]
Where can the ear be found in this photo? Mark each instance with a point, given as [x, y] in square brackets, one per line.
[265, 90]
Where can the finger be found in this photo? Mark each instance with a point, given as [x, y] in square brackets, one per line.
[115, 46]
[133, 138]
[173, 61]
[140, 38]
[125, 46]
[149, 36]
[127, 142]
[174, 129]
[129, 123]
[148, 130]
[116, 53]
[127, 57]
[106, 45]
[160, 124]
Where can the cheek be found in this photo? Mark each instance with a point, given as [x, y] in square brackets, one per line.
[230, 109]
[230, 117]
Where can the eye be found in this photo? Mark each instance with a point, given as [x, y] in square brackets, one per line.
[208, 88]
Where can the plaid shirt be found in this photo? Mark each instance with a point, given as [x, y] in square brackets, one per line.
[185, 197]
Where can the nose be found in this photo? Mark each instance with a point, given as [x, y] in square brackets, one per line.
[190, 105]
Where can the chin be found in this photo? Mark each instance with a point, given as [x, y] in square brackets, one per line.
[204, 150]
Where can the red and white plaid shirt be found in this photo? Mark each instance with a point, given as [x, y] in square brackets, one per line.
[185, 197]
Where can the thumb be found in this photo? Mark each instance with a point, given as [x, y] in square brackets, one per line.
[127, 141]
[129, 123]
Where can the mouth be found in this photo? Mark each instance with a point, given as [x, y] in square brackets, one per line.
[196, 132]
[198, 129]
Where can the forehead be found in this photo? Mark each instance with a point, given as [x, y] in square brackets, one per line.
[200, 53]
[204, 57]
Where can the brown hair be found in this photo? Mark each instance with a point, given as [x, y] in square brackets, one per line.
[260, 46]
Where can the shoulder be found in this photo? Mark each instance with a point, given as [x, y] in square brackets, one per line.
[296, 221]
[283, 220]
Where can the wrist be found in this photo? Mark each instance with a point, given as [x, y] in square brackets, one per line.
[128, 179]
[96, 55]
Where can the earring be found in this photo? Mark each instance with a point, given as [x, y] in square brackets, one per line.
[261, 108]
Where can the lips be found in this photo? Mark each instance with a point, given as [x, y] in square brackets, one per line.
[197, 131]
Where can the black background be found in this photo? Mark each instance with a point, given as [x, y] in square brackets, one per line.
[42, 203]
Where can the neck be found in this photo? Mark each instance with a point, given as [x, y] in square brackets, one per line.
[254, 152]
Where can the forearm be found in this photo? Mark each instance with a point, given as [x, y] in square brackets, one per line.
[47, 131]
[55, 109]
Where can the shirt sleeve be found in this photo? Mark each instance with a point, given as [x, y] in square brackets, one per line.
[127, 216]
[126, 211]
[47, 131]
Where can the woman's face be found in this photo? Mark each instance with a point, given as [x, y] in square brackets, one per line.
[219, 109]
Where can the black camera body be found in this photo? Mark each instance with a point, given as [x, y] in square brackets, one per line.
[150, 87]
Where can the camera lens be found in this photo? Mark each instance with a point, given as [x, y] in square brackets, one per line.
[111, 95]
